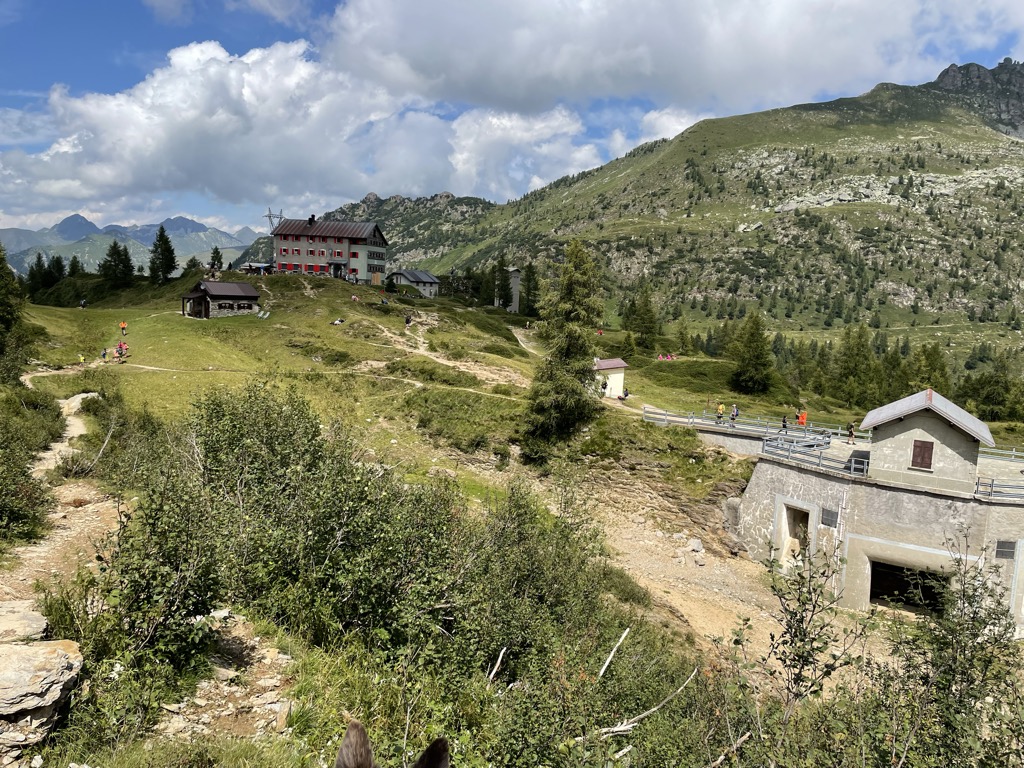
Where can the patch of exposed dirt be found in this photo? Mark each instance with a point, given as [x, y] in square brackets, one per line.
[246, 697]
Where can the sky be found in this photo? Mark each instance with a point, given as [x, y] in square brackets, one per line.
[131, 111]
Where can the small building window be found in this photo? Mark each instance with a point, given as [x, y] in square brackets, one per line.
[225, 305]
[922, 456]
[830, 517]
[1006, 550]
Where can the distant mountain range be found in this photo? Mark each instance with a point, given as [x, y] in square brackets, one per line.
[77, 236]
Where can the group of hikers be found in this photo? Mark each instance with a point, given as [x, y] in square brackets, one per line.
[120, 351]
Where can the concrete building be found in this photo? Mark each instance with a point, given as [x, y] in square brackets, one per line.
[930, 475]
[420, 279]
[514, 279]
[611, 375]
[355, 251]
[212, 298]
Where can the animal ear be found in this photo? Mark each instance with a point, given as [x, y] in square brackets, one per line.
[434, 756]
[355, 748]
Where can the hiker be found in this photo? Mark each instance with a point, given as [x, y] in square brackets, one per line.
[720, 412]
[785, 425]
[803, 419]
[339, 321]
[81, 359]
[408, 320]
[660, 357]
[103, 355]
[81, 304]
[625, 393]
[124, 328]
[849, 434]
[733, 415]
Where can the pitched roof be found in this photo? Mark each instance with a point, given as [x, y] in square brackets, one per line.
[223, 290]
[358, 230]
[928, 400]
[609, 363]
[415, 275]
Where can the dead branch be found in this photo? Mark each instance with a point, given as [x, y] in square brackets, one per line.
[610, 655]
[730, 751]
[627, 726]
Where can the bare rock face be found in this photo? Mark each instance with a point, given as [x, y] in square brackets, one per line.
[20, 621]
[997, 93]
[35, 679]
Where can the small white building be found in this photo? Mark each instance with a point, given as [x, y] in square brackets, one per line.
[420, 279]
[611, 375]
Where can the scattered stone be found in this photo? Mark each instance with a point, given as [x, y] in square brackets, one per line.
[265, 699]
[284, 709]
[220, 613]
[678, 535]
[20, 621]
[172, 707]
[695, 545]
[699, 560]
[37, 762]
[269, 682]
[224, 674]
[200, 702]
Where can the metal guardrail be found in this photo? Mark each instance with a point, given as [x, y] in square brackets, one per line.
[1002, 454]
[990, 488]
[813, 456]
[749, 425]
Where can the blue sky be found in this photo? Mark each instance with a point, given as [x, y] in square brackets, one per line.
[135, 110]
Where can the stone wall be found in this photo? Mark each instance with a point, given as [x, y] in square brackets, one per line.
[214, 312]
[878, 522]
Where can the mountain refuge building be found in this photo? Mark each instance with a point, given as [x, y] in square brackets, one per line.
[354, 251]
[212, 298]
[420, 279]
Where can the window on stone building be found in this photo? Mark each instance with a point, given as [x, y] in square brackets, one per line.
[1006, 550]
[922, 455]
[830, 517]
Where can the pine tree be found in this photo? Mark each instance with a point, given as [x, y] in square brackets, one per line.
[117, 268]
[36, 275]
[192, 265]
[75, 267]
[563, 396]
[685, 343]
[56, 268]
[162, 261]
[502, 283]
[644, 321]
[216, 259]
[753, 374]
[530, 290]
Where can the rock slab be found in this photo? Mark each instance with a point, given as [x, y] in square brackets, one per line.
[35, 679]
[20, 621]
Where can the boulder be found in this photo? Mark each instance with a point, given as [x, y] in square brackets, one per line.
[35, 679]
[20, 621]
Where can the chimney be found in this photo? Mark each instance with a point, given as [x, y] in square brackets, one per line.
[311, 220]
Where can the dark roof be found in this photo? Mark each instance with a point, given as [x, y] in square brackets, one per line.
[358, 230]
[416, 276]
[610, 363]
[216, 289]
[929, 400]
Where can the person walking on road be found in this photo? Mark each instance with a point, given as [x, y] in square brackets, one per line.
[785, 425]
[733, 415]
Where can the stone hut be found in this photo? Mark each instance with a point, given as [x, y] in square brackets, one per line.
[211, 298]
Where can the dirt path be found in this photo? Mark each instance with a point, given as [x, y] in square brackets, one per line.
[83, 515]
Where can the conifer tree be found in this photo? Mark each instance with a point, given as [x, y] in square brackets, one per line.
[563, 396]
[644, 321]
[117, 268]
[162, 261]
[529, 292]
[753, 352]
[216, 259]
[502, 283]
[10, 298]
[75, 267]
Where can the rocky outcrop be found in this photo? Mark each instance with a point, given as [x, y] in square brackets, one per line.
[997, 94]
[35, 681]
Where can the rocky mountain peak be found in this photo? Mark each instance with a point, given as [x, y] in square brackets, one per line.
[996, 94]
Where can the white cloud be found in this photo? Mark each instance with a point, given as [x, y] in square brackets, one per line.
[486, 98]
[529, 55]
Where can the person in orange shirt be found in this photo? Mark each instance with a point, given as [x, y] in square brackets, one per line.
[124, 328]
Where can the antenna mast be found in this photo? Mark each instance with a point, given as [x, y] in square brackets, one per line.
[273, 218]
